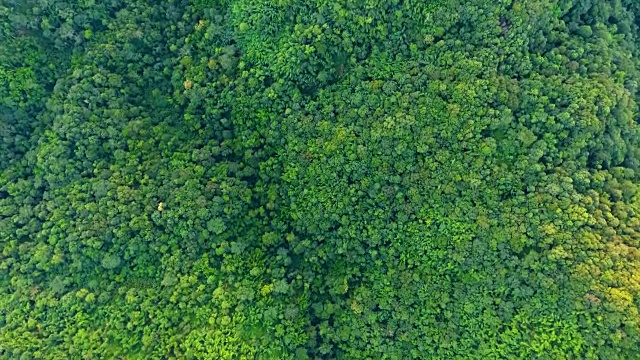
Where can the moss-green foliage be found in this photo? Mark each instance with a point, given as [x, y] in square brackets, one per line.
[370, 179]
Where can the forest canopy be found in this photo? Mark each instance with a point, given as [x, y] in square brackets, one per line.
[312, 179]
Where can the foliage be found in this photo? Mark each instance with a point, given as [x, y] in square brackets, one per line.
[290, 179]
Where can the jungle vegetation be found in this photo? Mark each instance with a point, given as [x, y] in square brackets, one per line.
[313, 179]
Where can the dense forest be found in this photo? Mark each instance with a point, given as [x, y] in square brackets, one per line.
[310, 179]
